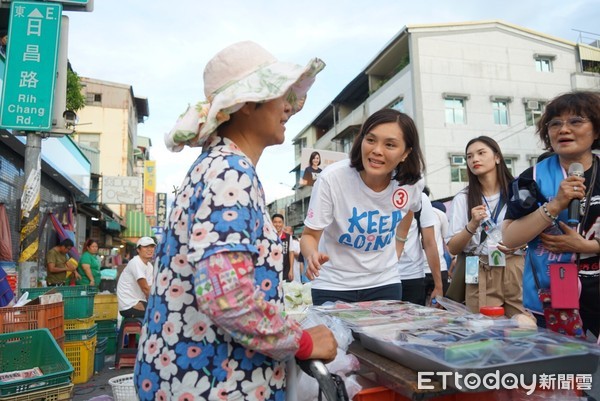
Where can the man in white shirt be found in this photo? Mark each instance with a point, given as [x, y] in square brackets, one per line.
[134, 283]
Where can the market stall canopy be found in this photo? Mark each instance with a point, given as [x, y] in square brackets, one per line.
[137, 225]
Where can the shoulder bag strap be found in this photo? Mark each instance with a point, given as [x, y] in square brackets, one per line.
[588, 199]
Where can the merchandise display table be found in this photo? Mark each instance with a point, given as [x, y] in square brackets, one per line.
[404, 383]
[392, 375]
[427, 353]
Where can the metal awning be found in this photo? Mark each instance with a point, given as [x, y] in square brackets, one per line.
[111, 224]
[137, 225]
[588, 52]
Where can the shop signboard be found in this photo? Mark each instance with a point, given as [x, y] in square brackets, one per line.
[161, 208]
[122, 190]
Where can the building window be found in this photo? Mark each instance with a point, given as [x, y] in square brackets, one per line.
[500, 109]
[510, 163]
[534, 159]
[347, 143]
[533, 111]
[458, 168]
[90, 140]
[93, 98]
[397, 104]
[455, 110]
[543, 64]
[300, 144]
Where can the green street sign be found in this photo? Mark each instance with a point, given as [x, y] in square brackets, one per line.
[30, 76]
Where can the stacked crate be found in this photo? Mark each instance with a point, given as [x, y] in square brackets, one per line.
[34, 316]
[80, 328]
[106, 311]
[80, 347]
[28, 350]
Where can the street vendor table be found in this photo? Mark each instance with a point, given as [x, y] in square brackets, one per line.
[404, 381]
[427, 353]
[393, 375]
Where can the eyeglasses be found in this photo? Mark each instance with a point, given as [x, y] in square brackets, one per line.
[571, 122]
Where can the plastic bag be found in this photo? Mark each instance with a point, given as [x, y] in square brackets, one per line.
[342, 334]
[342, 365]
[108, 274]
[452, 306]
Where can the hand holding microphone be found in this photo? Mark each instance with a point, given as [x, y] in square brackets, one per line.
[575, 170]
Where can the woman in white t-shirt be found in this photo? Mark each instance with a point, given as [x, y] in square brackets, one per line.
[356, 223]
[420, 247]
[476, 217]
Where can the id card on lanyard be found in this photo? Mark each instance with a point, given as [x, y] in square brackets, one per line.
[496, 257]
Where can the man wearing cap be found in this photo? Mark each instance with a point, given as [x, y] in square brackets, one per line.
[134, 283]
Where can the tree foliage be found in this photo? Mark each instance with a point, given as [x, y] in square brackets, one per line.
[75, 99]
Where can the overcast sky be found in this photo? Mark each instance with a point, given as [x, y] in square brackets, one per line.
[161, 48]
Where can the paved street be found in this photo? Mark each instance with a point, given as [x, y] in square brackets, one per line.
[98, 385]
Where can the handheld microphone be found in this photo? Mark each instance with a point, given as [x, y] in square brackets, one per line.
[575, 169]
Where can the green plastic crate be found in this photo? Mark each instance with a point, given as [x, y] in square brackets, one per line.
[81, 335]
[107, 325]
[78, 299]
[30, 349]
[108, 329]
[111, 344]
[100, 354]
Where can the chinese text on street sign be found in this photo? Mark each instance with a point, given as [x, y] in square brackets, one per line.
[28, 88]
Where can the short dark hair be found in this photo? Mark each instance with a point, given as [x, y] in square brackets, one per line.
[312, 156]
[584, 104]
[277, 215]
[411, 170]
[67, 243]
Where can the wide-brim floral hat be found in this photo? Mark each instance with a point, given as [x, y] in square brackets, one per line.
[243, 72]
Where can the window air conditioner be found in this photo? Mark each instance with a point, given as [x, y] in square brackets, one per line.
[533, 104]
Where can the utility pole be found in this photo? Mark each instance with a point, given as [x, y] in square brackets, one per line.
[30, 200]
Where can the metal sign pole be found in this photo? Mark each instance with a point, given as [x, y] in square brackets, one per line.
[30, 200]
[30, 212]
[60, 89]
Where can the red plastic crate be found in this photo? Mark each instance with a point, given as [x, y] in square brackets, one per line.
[379, 393]
[31, 317]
